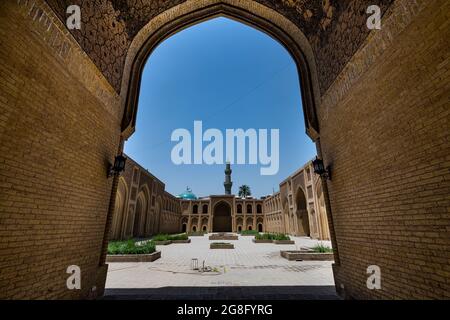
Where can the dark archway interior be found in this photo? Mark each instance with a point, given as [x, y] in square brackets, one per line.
[302, 214]
[222, 218]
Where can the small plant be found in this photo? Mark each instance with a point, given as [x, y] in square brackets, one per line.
[264, 236]
[181, 236]
[249, 232]
[272, 236]
[281, 236]
[161, 237]
[196, 233]
[320, 248]
[131, 247]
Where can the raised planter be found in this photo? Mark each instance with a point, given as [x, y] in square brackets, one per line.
[223, 236]
[221, 246]
[196, 234]
[284, 241]
[181, 241]
[306, 255]
[133, 257]
[162, 243]
[262, 241]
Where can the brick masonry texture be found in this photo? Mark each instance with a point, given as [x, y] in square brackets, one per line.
[384, 128]
[56, 141]
[334, 28]
[387, 139]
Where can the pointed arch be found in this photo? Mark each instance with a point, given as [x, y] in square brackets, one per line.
[301, 213]
[120, 209]
[190, 13]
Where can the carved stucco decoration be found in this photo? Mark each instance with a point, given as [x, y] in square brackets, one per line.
[335, 29]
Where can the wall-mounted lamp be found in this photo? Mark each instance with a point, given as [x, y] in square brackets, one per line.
[319, 168]
[118, 166]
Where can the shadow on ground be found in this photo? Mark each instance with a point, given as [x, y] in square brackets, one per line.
[225, 293]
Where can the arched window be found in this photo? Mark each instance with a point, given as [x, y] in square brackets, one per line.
[195, 209]
[205, 208]
[249, 208]
[239, 208]
[258, 209]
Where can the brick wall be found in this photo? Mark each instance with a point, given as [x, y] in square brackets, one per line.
[385, 130]
[155, 216]
[384, 125]
[57, 137]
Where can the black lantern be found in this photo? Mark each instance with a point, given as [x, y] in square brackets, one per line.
[118, 167]
[319, 168]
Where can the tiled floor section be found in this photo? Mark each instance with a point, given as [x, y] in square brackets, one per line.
[236, 270]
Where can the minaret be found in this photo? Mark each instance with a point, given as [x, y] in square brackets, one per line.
[227, 184]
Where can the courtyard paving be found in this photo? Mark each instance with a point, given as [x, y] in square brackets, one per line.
[247, 266]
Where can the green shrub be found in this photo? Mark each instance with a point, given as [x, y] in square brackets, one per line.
[181, 236]
[161, 237]
[250, 232]
[281, 236]
[131, 247]
[197, 233]
[264, 236]
[272, 236]
[320, 248]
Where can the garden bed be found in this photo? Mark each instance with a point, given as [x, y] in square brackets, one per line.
[284, 241]
[162, 242]
[196, 234]
[277, 238]
[132, 251]
[262, 240]
[165, 239]
[223, 236]
[221, 245]
[248, 233]
[133, 257]
[307, 255]
[181, 241]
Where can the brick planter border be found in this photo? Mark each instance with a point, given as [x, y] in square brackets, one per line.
[133, 257]
[305, 255]
[229, 237]
[181, 241]
[221, 246]
[162, 243]
[284, 241]
[262, 241]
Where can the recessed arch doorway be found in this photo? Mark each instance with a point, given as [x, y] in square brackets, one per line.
[222, 217]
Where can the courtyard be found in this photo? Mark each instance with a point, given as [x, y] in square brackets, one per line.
[234, 272]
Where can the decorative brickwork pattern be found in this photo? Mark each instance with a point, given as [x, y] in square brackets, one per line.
[334, 28]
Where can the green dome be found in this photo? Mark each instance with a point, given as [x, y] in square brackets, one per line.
[187, 195]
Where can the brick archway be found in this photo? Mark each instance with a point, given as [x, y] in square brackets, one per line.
[383, 129]
[222, 221]
[187, 14]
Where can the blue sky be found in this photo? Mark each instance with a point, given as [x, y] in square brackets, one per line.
[229, 76]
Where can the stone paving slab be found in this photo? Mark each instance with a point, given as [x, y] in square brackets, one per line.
[248, 265]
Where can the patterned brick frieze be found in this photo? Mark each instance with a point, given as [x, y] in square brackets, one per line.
[335, 29]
